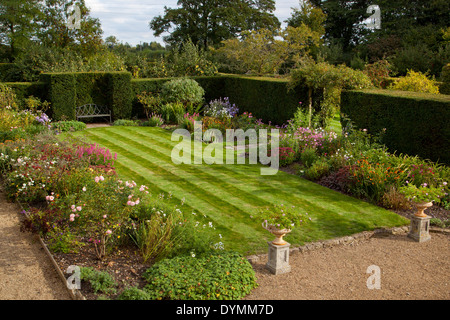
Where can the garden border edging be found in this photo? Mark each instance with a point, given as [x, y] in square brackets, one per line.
[75, 294]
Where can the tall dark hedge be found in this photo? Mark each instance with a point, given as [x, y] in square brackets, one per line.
[62, 94]
[67, 91]
[266, 98]
[26, 89]
[119, 94]
[416, 123]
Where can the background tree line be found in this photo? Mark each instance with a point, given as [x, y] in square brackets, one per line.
[236, 36]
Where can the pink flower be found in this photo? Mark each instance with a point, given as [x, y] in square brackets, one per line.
[97, 179]
[108, 231]
[101, 178]
[137, 201]
[105, 216]
[130, 196]
[49, 198]
[72, 217]
[79, 208]
[72, 207]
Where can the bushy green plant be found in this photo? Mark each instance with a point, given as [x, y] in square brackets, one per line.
[308, 156]
[416, 82]
[215, 276]
[151, 101]
[317, 170]
[172, 113]
[186, 91]
[68, 126]
[8, 98]
[126, 122]
[155, 120]
[282, 216]
[423, 193]
[134, 293]
[155, 236]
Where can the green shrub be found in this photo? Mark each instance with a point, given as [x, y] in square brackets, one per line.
[215, 276]
[155, 120]
[101, 281]
[66, 126]
[414, 123]
[7, 97]
[317, 170]
[126, 122]
[416, 82]
[308, 156]
[172, 113]
[185, 91]
[134, 293]
[445, 77]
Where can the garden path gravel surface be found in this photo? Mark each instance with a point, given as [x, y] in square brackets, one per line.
[409, 270]
[26, 272]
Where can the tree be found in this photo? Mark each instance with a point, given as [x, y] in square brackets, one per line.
[19, 20]
[55, 30]
[208, 22]
[308, 14]
[344, 21]
[265, 52]
[331, 80]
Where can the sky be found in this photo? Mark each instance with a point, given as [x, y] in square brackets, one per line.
[129, 20]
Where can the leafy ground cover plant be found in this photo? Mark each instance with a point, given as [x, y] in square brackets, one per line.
[216, 276]
[68, 126]
[101, 281]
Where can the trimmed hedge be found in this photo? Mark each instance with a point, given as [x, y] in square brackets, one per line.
[61, 93]
[4, 71]
[266, 98]
[26, 89]
[416, 123]
[66, 91]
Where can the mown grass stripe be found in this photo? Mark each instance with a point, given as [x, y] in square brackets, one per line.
[294, 198]
[228, 216]
[296, 185]
[234, 237]
[123, 168]
[204, 172]
[250, 182]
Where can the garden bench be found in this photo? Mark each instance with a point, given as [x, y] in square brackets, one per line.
[92, 111]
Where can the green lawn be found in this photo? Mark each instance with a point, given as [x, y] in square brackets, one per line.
[228, 194]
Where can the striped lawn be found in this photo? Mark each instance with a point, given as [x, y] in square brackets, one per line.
[227, 195]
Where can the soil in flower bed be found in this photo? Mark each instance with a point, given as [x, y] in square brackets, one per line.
[124, 264]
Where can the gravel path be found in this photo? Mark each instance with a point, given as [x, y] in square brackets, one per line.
[26, 272]
[408, 270]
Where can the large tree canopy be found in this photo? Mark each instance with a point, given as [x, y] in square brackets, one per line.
[19, 20]
[208, 22]
[345, 19]
[46, 22]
